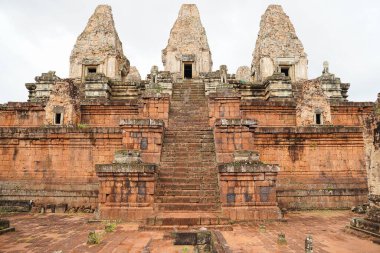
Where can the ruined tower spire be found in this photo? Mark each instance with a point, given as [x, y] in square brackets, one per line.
[278, 47]
[187, 43]
[98, 48]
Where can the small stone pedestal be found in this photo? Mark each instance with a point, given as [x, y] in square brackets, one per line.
[126, 187]
[5, 227]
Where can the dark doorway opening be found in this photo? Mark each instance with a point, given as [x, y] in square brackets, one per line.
[318, 119]
[285, 71]
[188, 71]
[58, 119]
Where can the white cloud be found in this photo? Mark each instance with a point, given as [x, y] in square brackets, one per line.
[37, 36]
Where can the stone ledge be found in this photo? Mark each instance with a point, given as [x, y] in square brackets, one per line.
[344, 191]
[55, 130]
[125, 168]
[366, 226]
[247, 167]
[309, 129]
[156, 95]
[23, 106]
[351, 104]
[141, 122]
[261, 102]
[235, 122]
[130, 102]
[220, 95]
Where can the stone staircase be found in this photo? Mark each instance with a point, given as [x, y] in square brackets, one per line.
[188, 179]
[187, 190]
[122, 90]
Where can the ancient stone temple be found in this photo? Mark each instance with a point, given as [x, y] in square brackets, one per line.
[187, 53]
[278, 48]
[189, 146]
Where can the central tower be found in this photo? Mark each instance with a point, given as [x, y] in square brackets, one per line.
[187, 53]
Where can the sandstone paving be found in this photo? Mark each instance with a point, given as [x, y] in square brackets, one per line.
[328, 229]
[68, 233]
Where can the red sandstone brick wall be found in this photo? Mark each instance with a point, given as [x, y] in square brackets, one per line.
[275, 113]
[146, 140]
[110, 115]
[22, 115]
[107, 115]
[229, 139]
[55, 165]
[318, 169]
[220, 108]
[351, 114]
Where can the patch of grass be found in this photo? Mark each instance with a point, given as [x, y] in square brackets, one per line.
[281, 239]
[110, 227]
[82, 126]
[94, 237]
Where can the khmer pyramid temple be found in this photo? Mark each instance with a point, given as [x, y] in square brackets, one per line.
[190, 145]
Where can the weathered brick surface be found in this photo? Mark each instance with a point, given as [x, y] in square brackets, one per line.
[54, 165]
[222, 107]
[22, 114]
[145, 137]
[248, 191]
[350, 113]
[109, 115]
[126, 191]
[229, 139]
[320, 167]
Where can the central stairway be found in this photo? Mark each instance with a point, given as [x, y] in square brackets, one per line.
[187, 190]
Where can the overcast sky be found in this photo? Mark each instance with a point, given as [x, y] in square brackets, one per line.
[38, 36]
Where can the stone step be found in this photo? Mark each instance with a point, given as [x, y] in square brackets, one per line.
[187, 199]
[187, 206]
[190, 137]
[185, 227]
[167, 192]
[186, 144]
[188, 219]
[192, 164]
[186, 180]
[193, 172]
[178, 187]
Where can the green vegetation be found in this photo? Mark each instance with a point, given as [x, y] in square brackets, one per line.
[110, 227]
[94, 237]
[281, 239]
[82, 126]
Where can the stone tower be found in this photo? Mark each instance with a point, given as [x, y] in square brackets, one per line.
[98, 48]
[187, 52]
[278, 48]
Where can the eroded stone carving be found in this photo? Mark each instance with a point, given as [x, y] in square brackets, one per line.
[223, 73]
[98, 48]
[63, 106]
[187, 43]
[311, 102]
[278, 44]
[243, 74]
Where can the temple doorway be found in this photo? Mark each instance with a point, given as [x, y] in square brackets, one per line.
[187, 71]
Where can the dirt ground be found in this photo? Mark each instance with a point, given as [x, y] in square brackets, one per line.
[61, 233]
